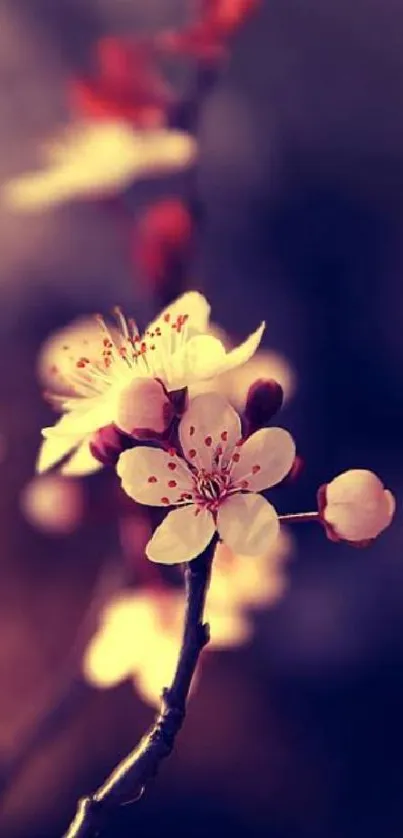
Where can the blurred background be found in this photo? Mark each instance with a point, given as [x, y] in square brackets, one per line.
[299, 201]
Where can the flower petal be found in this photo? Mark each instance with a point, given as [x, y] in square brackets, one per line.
[154, 477]
[247, 523]
[264, 459]
[193, 304]
[54, 448]
[87, 416]
[244, 351]
[202, 357]
[182, 536]
[210, 425]
[81, 462]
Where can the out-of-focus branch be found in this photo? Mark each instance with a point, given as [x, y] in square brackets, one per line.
[128, 780]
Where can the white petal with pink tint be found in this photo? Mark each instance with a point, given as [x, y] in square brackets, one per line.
[243, 352]
[357, 505]
[70, 430]
[81, 462]
[182, 536]
[152, 476]
[199, 359]
[264, 459]
[247, 523]
[210, 423]
[53, 449]
[193, 304]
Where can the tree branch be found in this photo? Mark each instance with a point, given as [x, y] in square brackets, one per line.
[127, 782]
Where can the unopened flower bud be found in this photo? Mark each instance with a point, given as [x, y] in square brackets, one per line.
[108, 443]
[162, 244]
[144, 409]
[355, 506]
[264, 399]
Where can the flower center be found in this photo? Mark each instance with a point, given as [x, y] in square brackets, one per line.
[210, 490]
[125, 353]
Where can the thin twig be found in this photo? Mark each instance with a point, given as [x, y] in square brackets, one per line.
[127, 782]
[299, 517]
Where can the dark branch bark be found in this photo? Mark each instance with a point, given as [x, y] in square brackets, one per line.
[127, 782]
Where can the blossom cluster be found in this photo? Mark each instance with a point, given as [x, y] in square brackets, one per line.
[135, 401]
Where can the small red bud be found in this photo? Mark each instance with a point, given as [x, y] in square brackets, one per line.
[108, 443]
[162, 242]
[264, 399]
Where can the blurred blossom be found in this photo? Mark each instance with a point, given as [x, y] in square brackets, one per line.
[249, 581]
[53, 504]
[140, 632]
[215, 486]
[95, 159]
[355, 506]
[176, 349]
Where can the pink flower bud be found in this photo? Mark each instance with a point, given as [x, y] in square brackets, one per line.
[144, 409]
[107, 445]
[264, 399]
[355, 506]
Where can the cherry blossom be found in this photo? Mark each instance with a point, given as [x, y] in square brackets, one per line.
[214, 485]
[355, 506]
[112, 384]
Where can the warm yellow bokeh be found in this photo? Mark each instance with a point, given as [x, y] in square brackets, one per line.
[94, 159]
[140, 632]
[243, 582]
[53, 504]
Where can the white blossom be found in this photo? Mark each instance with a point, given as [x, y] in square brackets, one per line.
[357, 506]
[214, 485]
[175, 349]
